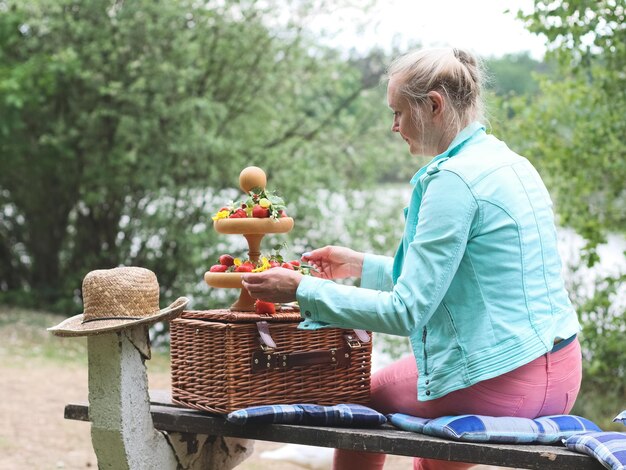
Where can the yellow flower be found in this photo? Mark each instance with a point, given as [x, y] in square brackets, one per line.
[221, 215]
[237, 262]
[265, 264]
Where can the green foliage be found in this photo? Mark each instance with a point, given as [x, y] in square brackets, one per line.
[573, 131]
[600, 405]
[514, 74]
[123, 123]
[581, 32]
[117, 115]
[394, 347]
[604, 328]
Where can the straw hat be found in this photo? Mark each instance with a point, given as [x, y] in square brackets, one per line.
[118, 298]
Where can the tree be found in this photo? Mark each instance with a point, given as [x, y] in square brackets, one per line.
[117, 117]
[584, 117]
[513, 74]
[574, 132]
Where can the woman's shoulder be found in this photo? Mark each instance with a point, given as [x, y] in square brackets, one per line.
[480, 158]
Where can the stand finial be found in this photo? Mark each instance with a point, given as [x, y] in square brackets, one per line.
[252, 177]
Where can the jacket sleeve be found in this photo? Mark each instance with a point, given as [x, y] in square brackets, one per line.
[446, 215]
[376, 272]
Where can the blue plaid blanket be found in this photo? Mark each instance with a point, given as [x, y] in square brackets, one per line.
[476, 428]
[578, 434]
[347, 415]
[609, 448]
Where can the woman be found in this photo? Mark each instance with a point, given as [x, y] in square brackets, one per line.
[476, 281]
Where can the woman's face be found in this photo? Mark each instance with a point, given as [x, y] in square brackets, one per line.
[416, 130]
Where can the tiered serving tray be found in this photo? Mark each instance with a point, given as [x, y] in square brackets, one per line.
[253, 230]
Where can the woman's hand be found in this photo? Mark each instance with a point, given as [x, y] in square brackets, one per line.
[278, 285]
[335, 262]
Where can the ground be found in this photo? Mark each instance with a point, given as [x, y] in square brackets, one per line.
[35, 435]
[41, 373]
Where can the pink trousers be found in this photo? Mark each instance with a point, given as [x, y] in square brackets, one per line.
[546, 386]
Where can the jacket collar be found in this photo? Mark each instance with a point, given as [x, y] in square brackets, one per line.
[462, 137]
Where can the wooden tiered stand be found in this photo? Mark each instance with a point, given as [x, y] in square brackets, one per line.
[253, 230]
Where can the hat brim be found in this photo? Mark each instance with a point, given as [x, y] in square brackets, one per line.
[74, 326]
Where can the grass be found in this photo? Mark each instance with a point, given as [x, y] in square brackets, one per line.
[25, 340]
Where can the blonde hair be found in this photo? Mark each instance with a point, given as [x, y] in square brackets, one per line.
[456, 74]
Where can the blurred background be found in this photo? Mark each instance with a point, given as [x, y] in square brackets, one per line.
[124, 126]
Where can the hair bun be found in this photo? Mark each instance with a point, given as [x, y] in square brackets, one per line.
[464, 57]
[454, 73]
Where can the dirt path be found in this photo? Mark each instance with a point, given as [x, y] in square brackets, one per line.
[39, 374]
[34, 435]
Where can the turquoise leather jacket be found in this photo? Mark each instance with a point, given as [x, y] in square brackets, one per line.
[476, 282]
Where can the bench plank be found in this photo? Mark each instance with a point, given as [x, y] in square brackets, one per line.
[387, 439]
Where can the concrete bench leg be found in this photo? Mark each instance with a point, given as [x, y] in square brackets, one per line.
[122, 431]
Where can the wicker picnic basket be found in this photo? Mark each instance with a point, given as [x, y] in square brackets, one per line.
[224, 360]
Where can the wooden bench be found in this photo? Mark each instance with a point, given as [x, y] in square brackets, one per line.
[124, 418]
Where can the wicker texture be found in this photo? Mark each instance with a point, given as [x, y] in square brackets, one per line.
[118, 298]
[212, 358]
[128, 291]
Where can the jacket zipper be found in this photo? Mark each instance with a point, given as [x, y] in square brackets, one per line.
[425, 352]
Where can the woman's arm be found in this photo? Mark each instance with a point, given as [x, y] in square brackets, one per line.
[377, 272]
[446, 215]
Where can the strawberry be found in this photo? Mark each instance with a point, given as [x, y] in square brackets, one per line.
[288, 266]
[282, 213]
[218, 268]
[244, 268]
[261, 306]
[238, 214]
[260, 212]
[227, 260]
[274, 264]
[295, 263]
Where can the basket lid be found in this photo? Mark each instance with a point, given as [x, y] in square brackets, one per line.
[286, 314]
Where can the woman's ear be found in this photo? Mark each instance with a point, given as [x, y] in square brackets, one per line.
[437, 103]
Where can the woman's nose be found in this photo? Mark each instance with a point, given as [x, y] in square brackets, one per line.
[395, 127]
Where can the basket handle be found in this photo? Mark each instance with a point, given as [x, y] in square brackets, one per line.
[264, 335]
[269, 359]
[362, 335]
[336, 357]
[268, 343]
